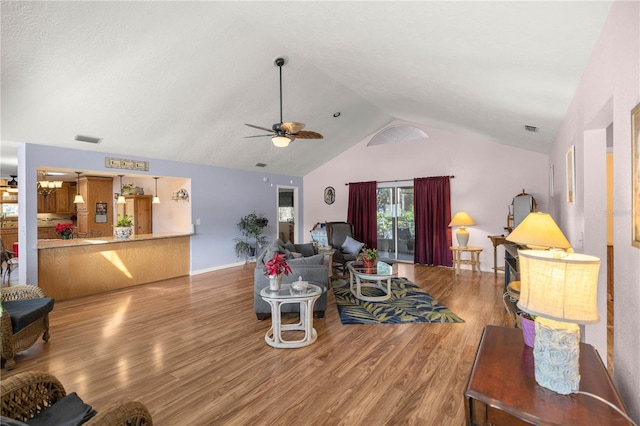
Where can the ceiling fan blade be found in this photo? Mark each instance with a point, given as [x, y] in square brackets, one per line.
[307, 134]
[292, 127]
[258, 127]
[259, 136]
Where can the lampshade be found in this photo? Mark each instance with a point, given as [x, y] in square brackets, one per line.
[156, 199]
[462, 219]
[561, 289]
[78, 199]
[540, 230]
[121, 199]
[281, 141]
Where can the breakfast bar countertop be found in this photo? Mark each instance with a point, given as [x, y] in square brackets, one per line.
[60, 243]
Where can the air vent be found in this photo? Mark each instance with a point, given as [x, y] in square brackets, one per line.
[261, 165]
[89, 139]
[529, 128]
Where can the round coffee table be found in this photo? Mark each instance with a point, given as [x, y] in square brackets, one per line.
[286, 294]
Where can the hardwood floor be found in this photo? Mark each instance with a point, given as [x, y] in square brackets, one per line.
[192, 350]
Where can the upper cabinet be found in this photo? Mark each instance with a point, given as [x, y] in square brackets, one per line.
[59, 201]
[95, 215]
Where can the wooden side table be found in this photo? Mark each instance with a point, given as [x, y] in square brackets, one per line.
[496, 240]
[457, 259]
[502, 388]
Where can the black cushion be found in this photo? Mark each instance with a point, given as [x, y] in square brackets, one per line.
[306, 249]
[69, 411]
[24, 312]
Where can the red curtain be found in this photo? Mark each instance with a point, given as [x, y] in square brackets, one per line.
[432, 216]
[362, 212]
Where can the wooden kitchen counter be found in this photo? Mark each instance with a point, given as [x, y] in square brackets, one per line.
[79, 267]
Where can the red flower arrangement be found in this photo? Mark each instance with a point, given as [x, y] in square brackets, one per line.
[277, 265]
[64, 228]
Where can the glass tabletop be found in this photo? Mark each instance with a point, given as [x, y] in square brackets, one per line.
[381, 269]
[287, 292]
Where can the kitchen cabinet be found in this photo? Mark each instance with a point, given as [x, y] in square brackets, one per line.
[95, 189]
[59, 201]
[64, 198]
[44, 233]
[9, 236]
[47, 203]
[140, 208]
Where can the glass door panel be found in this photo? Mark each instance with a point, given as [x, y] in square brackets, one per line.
[396, 227]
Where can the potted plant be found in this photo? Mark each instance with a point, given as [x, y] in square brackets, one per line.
[122, 228]
[252, 226]
[275, 267]
[368, 257]
[65, 230]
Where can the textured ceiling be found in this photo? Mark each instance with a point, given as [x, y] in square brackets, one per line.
[178, 80]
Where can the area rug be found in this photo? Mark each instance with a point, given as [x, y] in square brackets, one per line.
[407, 304]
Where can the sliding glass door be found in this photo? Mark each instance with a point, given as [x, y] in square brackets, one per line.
[396, 227]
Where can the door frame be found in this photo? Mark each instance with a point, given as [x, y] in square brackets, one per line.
[296, 211]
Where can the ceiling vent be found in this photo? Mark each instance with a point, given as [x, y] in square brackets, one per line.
[88, 139]
[529, 128]
[261, 165]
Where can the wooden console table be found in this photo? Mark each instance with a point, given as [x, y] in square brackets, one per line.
[457, 258]
[502, 389]
[496, 240]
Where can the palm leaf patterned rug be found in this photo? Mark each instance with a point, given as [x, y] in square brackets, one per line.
[407, 304]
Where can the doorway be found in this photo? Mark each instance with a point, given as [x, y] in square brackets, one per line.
[287, 213]
[395, 219]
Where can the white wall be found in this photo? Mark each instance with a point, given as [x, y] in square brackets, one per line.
[487, 177]
[609, 89]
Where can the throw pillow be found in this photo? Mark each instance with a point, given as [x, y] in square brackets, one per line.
[318, 259]
[306, 249]
[352, 246]
[290, 246]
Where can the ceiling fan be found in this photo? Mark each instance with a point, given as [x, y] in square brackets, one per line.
[284, 133]
[11, 185]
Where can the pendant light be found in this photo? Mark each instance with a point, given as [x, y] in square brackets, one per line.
[121, 199]
[79, 199]
[156, 199]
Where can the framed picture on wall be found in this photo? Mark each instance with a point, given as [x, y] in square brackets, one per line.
[571, 175]
[635, 175]
[101, 212]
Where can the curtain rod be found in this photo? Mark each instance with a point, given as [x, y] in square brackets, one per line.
[400, 180]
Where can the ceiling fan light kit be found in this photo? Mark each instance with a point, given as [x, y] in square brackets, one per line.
[282, 134]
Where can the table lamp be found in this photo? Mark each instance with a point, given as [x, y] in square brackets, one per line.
[539, 231]
[561, 292]
[462, 220]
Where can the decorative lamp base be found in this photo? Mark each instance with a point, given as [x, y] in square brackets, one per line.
[462, 235]
[556, 353]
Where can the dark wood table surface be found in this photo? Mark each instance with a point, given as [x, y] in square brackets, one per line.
[502, 387]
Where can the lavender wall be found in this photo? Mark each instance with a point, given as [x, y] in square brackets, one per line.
[487, 177]
[218, 197]
[609, 89]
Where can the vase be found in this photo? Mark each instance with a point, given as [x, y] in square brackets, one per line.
[122, 232]
[274, 282]
[528, 330]
[66, 236]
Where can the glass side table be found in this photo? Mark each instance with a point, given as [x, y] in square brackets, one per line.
[306, 299]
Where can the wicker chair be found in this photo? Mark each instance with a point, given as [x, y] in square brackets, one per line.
[26, 394]
[11, 342]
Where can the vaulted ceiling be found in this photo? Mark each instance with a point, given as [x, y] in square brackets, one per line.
[178, 80]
